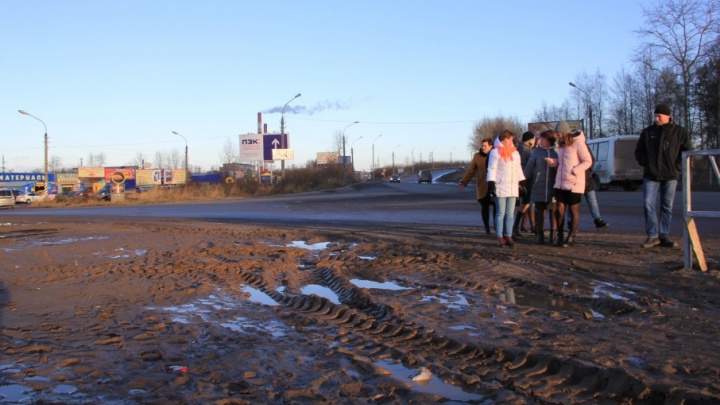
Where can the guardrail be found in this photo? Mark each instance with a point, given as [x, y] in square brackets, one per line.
[691, 240]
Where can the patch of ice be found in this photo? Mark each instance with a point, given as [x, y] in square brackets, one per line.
[367, 258]
[428, 383]
[374, 284]
[453, 301]
[258, 296]
[303, 245]
[321, 291]
[274, 328]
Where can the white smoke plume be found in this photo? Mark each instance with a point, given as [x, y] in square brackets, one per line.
[300, 109]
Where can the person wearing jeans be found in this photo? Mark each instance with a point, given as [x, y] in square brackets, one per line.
[505, 182]
[659, 151]
[665, 190]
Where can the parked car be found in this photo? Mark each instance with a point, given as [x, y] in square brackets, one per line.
[30, 197]
[16, 194]
[425, 176]
[7, 199]
[395, 178]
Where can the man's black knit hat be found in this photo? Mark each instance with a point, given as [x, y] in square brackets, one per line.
[663, 109]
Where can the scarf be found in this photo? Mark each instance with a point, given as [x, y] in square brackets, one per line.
[506, 152]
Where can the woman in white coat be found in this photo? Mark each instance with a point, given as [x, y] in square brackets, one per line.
[505, 181]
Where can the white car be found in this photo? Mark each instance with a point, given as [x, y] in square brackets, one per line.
[30, 197]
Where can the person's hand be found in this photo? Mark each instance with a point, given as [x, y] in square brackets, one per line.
[491, 188]
[460, 187]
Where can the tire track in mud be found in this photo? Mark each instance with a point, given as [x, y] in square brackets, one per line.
[504, 374]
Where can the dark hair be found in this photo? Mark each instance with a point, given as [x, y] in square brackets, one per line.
[550, 136]
[505, 135]
[489, 141]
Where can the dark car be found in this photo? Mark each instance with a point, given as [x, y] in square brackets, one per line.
[425, 176]
[395, 178]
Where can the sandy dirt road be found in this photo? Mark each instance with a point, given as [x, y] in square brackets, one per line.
[123, 311]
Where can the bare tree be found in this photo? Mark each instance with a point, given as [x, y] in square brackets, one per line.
[490, 127]
[100, 159]
[175, 160]
[230, 152]
[139, 160]
[676, 34]
[55, 164]
[338, 142]
[160, 160]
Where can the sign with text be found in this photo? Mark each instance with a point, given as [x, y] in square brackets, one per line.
[283, 154]
[251, 147]
[273, 141]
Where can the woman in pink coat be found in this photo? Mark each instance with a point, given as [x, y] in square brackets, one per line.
[573, 159]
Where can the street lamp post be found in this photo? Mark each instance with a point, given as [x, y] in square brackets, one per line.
[412, 160]
[187, 172]
[282, 133]
[343, 138]
[372, 176]
[47, 178]
[589, 106]
[352, 155]
[393, 158]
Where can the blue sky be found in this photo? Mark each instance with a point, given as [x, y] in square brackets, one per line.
[117, 77]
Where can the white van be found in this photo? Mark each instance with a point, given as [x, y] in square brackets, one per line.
[7, 199]
[615, 163]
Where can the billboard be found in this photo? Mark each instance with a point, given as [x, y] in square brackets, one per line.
[326, 158]
[251, 147]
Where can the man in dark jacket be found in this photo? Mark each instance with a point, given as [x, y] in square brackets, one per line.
[659, 152]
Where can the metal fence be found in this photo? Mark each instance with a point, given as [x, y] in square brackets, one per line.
[692, 245]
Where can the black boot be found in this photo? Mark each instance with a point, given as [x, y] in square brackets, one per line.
[516, 225]
[560, 237]
[570, 241]
[552, 237]
[541, 236]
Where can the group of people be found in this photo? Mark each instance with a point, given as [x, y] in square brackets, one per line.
[552, 170]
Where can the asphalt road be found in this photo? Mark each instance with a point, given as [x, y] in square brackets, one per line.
[379, 204]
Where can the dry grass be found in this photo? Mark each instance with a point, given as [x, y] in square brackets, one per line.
[296, 181]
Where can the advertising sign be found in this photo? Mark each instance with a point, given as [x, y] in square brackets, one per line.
[251, 147]
[151, 177]
[326, 158]
[129, 173]
[91, 172]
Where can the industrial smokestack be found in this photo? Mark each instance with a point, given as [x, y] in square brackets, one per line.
[265, 126]
[259, 123]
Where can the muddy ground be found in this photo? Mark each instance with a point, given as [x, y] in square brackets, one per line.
[171, 312]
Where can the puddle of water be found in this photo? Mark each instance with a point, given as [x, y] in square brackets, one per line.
[258, 296]
[36, 378]
[65, 389]
[432, 386]
[303, 245]
[66, 241]
[15, 393]
[321, 291]
[274, 328]
[367, 258]
[461, 327]
[612, 290]
[529, 298]
[374, 284]
[452, 300]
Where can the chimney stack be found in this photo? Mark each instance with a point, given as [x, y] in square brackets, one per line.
[259, 123]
